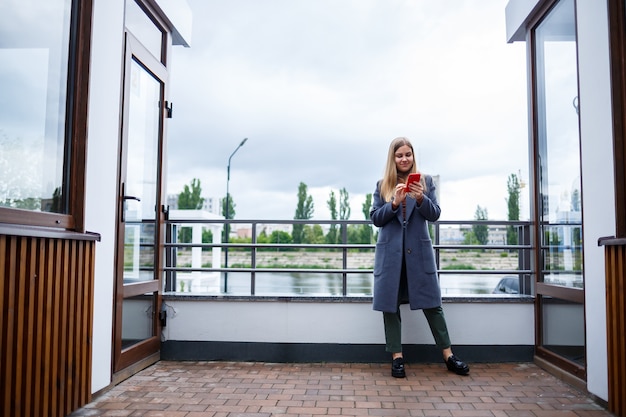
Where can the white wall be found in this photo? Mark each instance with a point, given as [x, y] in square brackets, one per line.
[327, 322]
[102, 162]
[597, 178]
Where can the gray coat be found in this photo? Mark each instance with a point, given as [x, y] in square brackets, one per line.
[409, 242]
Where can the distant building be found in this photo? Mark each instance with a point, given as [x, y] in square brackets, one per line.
[211, 204]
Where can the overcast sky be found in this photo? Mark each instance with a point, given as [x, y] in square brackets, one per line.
[321, 87]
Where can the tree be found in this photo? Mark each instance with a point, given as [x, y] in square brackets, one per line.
[366, 229]
[189, 199]
[481, 231]
[344, 204]
[231, 207]
[367, 206]
[313, 234]
[278, 236]
[513, 187]
[331, 237]
[344, 210]
[304, 210]
[228, 215]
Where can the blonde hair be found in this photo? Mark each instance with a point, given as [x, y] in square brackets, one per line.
[390, 176]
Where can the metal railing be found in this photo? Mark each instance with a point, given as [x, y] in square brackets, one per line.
[254, 276]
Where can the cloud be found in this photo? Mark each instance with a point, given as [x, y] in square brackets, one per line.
[321, 87]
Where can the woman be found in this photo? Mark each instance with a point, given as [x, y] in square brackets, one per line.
[404, 267]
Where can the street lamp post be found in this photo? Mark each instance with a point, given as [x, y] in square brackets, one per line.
[227, 225]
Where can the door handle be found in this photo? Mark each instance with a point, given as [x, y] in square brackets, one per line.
[125, 198]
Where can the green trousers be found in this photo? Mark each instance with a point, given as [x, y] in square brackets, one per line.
[436, 321]
[393, 322]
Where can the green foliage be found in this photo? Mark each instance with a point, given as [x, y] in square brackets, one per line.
[513, 187]
[29, 203]
[344, 204]
[332, 205]
[367, 234]
[367, 206]
[332, 236]
[189, 198]
[304, 210]
[278, 236]
[207, 235]
[481, 231]
[459, 267]
[230, 214]
[231, 207]
[313, 234]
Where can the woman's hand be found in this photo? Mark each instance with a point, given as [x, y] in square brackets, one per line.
[398, 197]
[416, 190]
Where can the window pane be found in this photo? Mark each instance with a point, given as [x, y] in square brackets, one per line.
[563, 324]
[141, 176]
[137, 316]
[34, 45]
[559, 147]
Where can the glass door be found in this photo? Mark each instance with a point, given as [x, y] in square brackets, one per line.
[560, 281]
[140, 224]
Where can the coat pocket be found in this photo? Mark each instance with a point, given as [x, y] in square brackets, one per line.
[379, 259]
[428, 256]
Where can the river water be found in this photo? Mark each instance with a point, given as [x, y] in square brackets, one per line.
[320, 284]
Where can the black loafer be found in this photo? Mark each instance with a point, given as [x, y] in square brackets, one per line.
[397, 368]
[457, 366]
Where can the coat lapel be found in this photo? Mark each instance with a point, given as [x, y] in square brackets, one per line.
[410, 205]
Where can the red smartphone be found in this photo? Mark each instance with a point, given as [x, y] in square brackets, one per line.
[414, 177]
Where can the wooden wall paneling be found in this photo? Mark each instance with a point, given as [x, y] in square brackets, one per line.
[39, 290]
[4, 312]
[8, 325]
[84, 395]
[86, 325]
[30, 278]
[48, 296]
[62, 303]
[20, 312]
[3, 319]
[70, 325]
[4, 270]
[616, 327]
[46, 310]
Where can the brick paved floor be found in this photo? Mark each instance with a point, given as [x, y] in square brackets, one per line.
[242, 389]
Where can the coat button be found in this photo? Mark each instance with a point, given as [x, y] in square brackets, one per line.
[408, 251]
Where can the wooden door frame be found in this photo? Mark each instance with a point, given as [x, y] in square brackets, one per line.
[147, 351]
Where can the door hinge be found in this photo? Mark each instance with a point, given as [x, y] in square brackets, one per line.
[168, 109]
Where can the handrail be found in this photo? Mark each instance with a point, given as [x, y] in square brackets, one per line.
[253, 250]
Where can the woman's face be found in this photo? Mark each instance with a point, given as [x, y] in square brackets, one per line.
[404, 159]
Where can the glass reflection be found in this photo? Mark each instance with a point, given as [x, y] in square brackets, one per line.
[559, 146]
[141, 176]
[34, 48]
[564, 328]
[137, 319]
